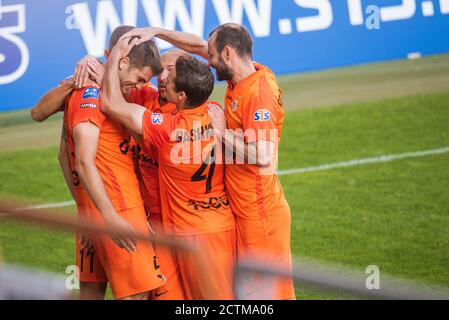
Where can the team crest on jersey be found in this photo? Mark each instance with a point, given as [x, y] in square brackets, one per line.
[234, 105]
[262, 115]
[91, 93]
[88, 105]
[157, 118]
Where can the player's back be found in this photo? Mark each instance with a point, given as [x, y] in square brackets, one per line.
[192, 189]
[113, 158]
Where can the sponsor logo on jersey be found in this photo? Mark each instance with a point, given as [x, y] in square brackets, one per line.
[88, 105]
[91, 93]
[234, 105]
[262, 115]
[157, 118]
[214, 203]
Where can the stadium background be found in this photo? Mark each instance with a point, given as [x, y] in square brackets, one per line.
[391, 214]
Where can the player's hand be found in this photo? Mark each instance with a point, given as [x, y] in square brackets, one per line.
[123, 47]
[143, 34]
[86, 243]
[117, 224]
[81, 75]
[218, 118]
[95, 70]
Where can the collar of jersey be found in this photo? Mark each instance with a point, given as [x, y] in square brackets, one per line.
[194, 111]
[243, 85]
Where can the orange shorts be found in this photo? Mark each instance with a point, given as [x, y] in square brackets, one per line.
[166, 257]
[128, 273]
[212, 277]
[89, 266]
[265, 240]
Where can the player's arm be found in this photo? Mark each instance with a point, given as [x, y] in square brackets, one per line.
[113, 103]
[257, 152]
[183, 40]
[52, 101]
[87, 70]
[64, 162]
[86, 136]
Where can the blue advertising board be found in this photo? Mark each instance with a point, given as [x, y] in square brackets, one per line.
[41, 40]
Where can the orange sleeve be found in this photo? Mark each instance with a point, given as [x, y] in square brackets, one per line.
[87, 107]
[260, 116]
[157, 128]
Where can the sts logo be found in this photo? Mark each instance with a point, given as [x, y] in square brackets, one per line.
[14, 54]
[262, 115]
[157, 118]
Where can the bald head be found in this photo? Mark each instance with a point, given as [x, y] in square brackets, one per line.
[174, 54]
[168, 60]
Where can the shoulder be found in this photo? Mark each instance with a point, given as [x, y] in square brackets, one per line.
[265, 89]
[88, 92]
[214, 104]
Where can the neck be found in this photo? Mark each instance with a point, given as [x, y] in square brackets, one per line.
[180, 106]
[242, 70]
[162, 102]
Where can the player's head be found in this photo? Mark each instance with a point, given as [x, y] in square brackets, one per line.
[227, 44]
[142, 63]
[190, 83]
[115, 37]
[168, 61]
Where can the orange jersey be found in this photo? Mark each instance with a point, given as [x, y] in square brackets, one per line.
[146, 156]
[193, 195]
[113, 160]
[255, 106]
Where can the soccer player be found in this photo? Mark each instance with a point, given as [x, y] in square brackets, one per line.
[253, 104]
[147, 168]
[194, 203]
[145, 159]
[106, 188]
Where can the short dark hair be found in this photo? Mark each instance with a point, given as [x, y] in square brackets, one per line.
[195, 79]
[146, 54]
[143, 55]
[235, 36]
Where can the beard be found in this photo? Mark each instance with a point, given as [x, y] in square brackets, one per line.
[223, 71]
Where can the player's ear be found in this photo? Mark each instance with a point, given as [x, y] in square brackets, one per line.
[182, 97]
[107, 53]
[124, 64]
[227, 53]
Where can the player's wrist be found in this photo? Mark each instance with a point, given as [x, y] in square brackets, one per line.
[110, 216]
[69, 84]
[156, 31]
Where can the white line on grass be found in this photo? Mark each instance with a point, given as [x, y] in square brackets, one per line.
[344, 164]
[50, 205]
[353, 163]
